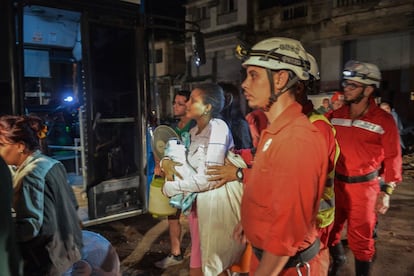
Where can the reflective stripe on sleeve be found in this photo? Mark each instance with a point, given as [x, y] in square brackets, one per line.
[358, 123]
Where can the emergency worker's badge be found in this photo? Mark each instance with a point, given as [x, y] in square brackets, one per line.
[267, 144]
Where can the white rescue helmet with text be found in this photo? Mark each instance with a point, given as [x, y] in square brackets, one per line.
[279, 53]
[314, 76]
[365, 73]
[362, 72]
[314, 68]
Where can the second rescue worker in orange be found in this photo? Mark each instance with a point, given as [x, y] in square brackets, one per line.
[368, 137]
[283, 189]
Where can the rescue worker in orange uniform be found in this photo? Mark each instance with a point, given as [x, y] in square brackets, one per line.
[368, 137]
[325, 215]
[279, 205]
[275, 194]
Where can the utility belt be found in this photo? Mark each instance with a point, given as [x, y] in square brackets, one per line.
[301, 258]
[357, 179]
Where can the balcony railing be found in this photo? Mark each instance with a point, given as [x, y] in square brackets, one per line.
[348, 3]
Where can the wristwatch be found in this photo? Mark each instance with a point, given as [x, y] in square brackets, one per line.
[388, 188]
[239, 174]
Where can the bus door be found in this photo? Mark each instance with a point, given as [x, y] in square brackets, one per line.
[83, 71]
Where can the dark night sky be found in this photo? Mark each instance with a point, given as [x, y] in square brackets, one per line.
[173, 8]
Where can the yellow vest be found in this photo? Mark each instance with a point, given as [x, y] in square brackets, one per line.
[326, 213]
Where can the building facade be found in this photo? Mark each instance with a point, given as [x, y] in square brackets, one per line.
[334, 31]
[224, 23]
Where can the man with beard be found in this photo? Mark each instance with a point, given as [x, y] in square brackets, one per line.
[368, 138]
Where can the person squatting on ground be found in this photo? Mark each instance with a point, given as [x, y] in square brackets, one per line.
[283, 189]
[368, 137]
[181, 127]
[215, 212]
[47, 226]
[99, 257]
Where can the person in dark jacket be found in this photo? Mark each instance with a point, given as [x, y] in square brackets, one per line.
[47, 226]
[10, 260]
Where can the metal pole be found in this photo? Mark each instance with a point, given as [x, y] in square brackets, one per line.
[82, 145]
[77, 141]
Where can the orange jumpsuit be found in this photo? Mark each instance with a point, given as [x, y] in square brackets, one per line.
[366, 144]
[284, 186]
[257, 122]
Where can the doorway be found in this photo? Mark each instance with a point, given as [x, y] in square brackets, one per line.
[83, 74]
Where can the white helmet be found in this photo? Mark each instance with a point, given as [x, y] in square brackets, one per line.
[278, 53]
[363, 72]
[314, 68]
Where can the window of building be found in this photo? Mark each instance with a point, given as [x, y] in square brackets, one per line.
[227, 6]
[346, 3]
[158, 56]
[201, 13]
[290, 2]
[267, 4]
[294, 12]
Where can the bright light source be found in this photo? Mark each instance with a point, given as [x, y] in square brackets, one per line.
[197, 60]
[198, 48]
[348, 73]
[68, 99]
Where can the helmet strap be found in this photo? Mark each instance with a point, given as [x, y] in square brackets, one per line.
[273, 96]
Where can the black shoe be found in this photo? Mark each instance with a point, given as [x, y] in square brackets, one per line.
[338, 259]
[362, 268]
[375, 232]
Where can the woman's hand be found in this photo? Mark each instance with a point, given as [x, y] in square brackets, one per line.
[168, 167]
[157, 169]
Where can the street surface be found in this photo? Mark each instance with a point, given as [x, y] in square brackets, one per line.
[140, 241]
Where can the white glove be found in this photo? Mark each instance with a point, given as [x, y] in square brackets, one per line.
[383, 203]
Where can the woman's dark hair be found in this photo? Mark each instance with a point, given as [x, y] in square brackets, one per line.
[212, 94]
[232, 107]
[234, 117]
[22, 129]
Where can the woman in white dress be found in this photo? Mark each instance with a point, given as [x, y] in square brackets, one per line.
[215, 212]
